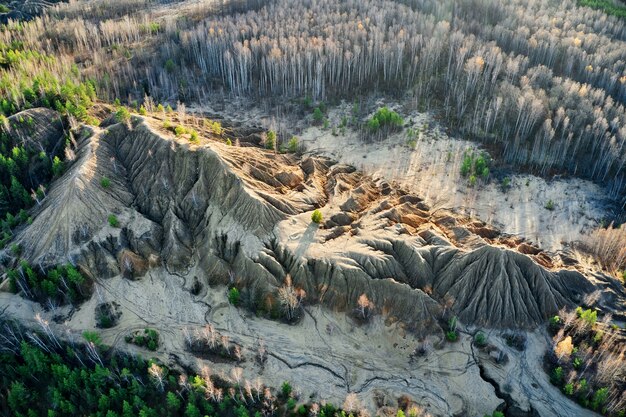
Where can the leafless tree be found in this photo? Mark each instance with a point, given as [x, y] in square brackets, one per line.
[290, 298]
[364, 306]
[156, 373]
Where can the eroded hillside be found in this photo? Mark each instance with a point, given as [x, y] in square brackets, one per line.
[164, 225]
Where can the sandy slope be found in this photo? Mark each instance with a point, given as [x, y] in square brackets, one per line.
[432, 170]
[326, 355]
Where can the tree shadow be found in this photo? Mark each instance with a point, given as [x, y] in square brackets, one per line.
[306, 239]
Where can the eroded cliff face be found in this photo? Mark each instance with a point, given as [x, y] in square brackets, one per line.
[194, 216]
[241, 213]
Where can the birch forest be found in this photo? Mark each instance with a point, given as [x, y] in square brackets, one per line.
[544, 83]
[261, 208]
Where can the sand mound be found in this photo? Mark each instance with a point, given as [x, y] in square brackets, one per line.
[245, 213]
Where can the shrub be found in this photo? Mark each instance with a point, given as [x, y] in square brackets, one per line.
[16, 249]
[229, 142]
[194, 136]
[588, 316]
[475, 166]
[557, 376]
[286, 389]
[384, 118]
[105, 182]
[169, 66]
[480, 339]
[373, 124]
[234, 296]
[568, 389]
[292, 145]
[270, 140]
[215, 127]
[92, 337]
[597, 337]
[599, 398]
[113, 222]
[452, 336]
[180, 130]
[466, 165]
[549, 205]
[122, 115]
[142, 110]
[149, 339]
[104, 321]
[316, 216]
[555, 322]
[577, 363]
[57, 167]
[318, 116]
